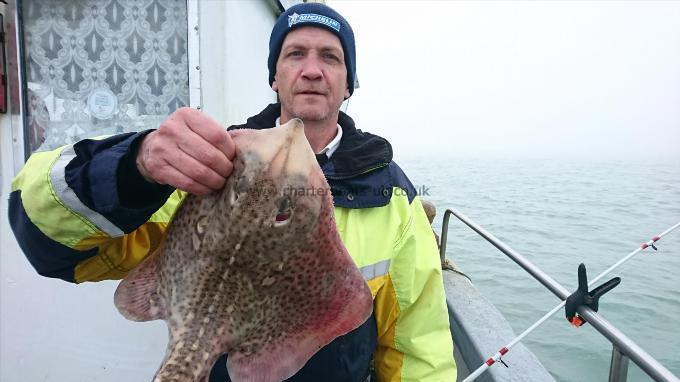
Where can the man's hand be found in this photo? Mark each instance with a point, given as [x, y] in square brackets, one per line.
[189, 151]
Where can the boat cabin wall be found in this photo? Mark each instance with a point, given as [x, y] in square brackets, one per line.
[234, 78]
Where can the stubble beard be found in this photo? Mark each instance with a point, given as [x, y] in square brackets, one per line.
[309, 112]
[312, 114]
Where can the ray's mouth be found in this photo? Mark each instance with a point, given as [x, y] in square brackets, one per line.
[282, 217]
[284, 212]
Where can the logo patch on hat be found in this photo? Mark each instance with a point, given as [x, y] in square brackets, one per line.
[313, 18]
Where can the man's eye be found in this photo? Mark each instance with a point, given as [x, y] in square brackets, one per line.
[295, 53]
[331, 57]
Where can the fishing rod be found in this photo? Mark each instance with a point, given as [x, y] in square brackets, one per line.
[661, 372]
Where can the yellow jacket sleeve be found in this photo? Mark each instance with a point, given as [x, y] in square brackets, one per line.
[71, 219]
[414, 339]
[395, 250]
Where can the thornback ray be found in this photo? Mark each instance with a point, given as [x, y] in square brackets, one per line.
[256, 270]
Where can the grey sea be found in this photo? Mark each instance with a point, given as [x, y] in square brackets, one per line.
[559, 213]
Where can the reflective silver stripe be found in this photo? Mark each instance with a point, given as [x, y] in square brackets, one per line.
[70, 199]
[376, 270]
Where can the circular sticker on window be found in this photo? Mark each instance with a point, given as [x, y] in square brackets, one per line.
[102, 103]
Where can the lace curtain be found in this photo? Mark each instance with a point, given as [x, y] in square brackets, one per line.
[97, 67]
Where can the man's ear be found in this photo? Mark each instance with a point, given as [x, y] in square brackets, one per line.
[346, 93]
[275, 87]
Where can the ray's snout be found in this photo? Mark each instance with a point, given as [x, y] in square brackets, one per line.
[286, 150]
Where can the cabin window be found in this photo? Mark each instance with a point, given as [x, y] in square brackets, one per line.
[99, 67]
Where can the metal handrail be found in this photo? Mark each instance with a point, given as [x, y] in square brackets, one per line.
[622, 345]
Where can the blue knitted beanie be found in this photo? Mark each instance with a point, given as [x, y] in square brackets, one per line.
[318, 15]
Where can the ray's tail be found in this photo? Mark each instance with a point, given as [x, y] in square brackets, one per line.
[186, 362]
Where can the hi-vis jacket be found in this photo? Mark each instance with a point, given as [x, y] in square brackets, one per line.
[84, 213]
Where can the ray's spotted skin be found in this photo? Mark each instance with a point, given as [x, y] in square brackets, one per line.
[257, 270]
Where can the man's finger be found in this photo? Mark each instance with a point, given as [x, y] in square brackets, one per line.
[171, 176]
[204, 152]
[196, 171]
[209, 130]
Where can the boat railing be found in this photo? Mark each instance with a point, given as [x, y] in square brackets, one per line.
[623, 348]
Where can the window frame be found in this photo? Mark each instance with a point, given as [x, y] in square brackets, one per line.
[193, 68]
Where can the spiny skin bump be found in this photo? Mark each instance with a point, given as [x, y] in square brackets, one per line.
[257, 270]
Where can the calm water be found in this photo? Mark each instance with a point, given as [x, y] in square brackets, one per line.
[557, 214]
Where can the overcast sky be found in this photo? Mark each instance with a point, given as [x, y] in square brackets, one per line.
[516, 79]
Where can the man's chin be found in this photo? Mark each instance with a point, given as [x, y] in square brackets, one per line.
[311, 114]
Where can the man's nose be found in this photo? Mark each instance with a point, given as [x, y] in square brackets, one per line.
[312, 69]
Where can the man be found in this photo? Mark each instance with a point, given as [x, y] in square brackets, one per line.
[94, 210]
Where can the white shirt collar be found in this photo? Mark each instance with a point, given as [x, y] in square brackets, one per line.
[331, 146]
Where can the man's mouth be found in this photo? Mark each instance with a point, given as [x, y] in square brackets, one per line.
[310, 92]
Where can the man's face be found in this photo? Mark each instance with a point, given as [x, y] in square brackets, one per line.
[311, 77]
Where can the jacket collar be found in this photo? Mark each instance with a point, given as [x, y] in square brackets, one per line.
[358, 153]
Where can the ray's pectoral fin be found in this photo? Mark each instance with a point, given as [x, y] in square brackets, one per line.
[273, 362]
[280, 360]
[137, 297]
